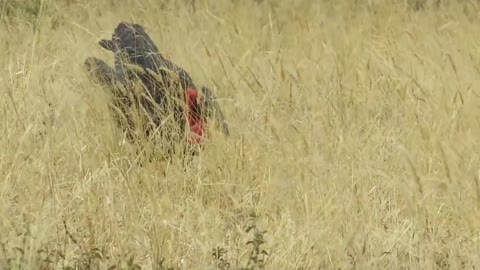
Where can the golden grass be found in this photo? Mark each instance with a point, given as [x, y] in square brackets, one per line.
[355, 138]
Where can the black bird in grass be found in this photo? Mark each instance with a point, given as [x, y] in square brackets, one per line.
[150, 94]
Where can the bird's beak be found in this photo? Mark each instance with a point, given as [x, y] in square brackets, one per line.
[199, 96]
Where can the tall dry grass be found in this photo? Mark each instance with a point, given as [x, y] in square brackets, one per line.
[355, 138]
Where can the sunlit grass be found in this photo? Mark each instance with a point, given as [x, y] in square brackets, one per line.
[354, 138]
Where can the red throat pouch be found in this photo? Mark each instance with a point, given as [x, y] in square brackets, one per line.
[195, 122]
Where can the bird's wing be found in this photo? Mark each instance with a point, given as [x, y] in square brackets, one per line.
[132, 44]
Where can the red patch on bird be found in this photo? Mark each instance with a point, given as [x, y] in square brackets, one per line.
[196, 123]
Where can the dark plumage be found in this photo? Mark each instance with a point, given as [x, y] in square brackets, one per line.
[167, 99]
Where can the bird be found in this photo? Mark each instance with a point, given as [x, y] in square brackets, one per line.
[151, 95]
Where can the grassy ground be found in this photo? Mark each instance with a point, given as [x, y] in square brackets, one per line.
[355, 138]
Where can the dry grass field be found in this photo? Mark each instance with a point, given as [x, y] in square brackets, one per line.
[354, 144]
